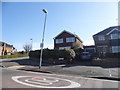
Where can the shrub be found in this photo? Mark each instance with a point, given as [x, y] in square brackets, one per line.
[54, 55]
[34, 54]
[78, 53]
[113, 55]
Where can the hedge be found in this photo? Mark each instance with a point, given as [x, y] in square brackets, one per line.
[51, 55]
[113, 55]
[78, 52]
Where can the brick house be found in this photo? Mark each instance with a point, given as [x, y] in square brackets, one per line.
[108, 40]
[6, 48]
[67, 40]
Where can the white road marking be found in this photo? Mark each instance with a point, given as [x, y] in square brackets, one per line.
[41, 81]
[110, 72]
[15, 67]
[72, 84]
[61, 75]
[37, 82]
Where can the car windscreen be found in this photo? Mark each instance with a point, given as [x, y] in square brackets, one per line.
[85, 54]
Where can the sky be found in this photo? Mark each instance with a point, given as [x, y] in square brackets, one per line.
[22, 21]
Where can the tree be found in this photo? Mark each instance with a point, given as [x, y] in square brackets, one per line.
[27, 47]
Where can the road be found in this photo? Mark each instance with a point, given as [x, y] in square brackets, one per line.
[25, 79]
[83, 69]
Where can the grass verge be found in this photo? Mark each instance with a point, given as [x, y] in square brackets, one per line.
[14, 56]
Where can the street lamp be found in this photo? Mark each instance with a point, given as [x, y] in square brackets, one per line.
[42, 44]
[31, 43]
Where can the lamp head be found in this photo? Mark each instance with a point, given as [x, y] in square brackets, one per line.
[45, 11]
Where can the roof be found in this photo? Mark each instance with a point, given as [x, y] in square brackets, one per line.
[108, 30]
[6, 44]
[69, 33]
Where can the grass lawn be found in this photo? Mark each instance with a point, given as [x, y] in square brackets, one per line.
[14, 56]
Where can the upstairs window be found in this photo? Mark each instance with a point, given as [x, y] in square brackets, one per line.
[70, 39]
[115, 49]
[59, 40]
[115, 36]
[101, 38]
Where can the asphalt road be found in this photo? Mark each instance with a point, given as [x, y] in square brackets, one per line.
[81, 69]
[24, 79]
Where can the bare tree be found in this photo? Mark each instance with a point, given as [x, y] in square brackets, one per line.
[27, 47]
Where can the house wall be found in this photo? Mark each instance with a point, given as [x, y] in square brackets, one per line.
[106, 45]
[9, 49]
[6, 47]
[62, 45]
[0, 50]
[76, 44]
[64, 36]
[101, 45]
[102, 42]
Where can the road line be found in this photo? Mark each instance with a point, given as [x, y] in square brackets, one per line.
[110, 73]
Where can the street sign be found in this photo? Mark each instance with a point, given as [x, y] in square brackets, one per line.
[41, 45]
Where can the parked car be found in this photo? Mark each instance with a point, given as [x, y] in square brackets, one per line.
[86, 56]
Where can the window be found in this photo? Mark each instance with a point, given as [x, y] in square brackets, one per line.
[115, 36]
[70, 39]
[1, 44]
[115, 49]
[59, 40]
[101, 38]
[61, 48]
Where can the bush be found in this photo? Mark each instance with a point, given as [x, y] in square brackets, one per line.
[78, 53]
[113, 55]
[34, 54]
[54, 55]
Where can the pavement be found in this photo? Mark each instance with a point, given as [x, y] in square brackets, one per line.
[84, 69]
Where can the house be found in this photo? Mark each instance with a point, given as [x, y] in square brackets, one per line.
[6, 48]
[91, 49]
[67, 40]
[108, 40]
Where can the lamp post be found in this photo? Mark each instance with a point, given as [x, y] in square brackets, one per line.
[42, 44]
[31, 43]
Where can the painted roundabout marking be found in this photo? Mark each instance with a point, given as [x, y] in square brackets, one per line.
[45, 82]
